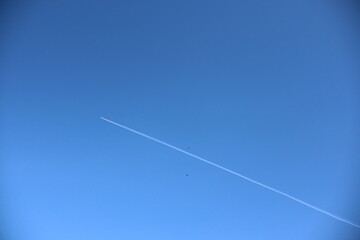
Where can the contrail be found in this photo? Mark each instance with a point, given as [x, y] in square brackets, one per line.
[235, 173]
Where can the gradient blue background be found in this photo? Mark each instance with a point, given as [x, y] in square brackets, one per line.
[266, 88]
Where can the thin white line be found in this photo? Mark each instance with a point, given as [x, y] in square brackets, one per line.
[235, 173]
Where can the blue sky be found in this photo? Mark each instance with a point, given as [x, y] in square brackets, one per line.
[269, 89]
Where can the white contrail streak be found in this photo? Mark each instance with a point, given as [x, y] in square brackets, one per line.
[235, 173]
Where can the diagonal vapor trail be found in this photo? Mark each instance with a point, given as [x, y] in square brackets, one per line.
[235, 173]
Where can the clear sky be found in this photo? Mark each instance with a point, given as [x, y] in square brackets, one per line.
[269, 89]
